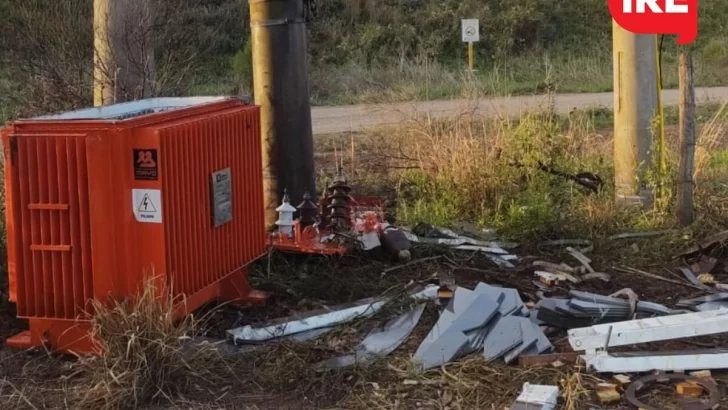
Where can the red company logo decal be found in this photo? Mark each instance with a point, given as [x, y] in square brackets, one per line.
[658, 17]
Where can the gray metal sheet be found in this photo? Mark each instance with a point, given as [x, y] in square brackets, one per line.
[440, 351]
[380, 342]
[600, 299]
[530, 338]
[504, 336]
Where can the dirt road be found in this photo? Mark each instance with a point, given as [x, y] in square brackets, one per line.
[359, 117]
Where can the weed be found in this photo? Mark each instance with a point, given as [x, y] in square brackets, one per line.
[146, 355]
[468, 168]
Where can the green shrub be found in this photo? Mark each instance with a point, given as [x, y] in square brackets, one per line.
[242, 65]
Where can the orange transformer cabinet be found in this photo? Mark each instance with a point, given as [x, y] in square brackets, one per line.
[98, 200]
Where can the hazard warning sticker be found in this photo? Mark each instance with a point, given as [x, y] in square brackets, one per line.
[147, 205]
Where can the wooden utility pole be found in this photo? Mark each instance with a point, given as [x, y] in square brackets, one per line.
[635, 104]
[685, 213]
[123, 51]
[103, 58]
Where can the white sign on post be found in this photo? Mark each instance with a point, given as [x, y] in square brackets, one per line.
[471, 30]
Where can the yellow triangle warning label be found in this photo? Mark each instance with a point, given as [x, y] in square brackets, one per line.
[146, 205]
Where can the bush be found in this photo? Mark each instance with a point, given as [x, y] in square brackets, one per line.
[242, 65]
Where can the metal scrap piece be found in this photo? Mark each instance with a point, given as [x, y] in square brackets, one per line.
[709, 242]
[536, 397]
[633, 299]
[690, 276]
[467, 311]
[640, 362]
[717, 297]
[503, 336]
[530, 338]
[380, 342]
[705, 264]
[712, 306]
[442, 350]
[316, 320]
[709, 385]
[648, 330]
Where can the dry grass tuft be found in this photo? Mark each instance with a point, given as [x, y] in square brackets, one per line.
[712, 136]
[147, 355]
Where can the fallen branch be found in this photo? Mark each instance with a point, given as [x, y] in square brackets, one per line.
[658, 277]
[408, 264]
[641, 234]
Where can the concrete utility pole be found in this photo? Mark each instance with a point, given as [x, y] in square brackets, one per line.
[280, 83]
[635, 105]
[123, 51]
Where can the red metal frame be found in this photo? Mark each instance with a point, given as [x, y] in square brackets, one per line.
[72, 234]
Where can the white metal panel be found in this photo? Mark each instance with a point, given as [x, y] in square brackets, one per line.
[604, 363]
[649, 330]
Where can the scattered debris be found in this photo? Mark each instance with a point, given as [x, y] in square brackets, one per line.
[607, 393]
[595, 341]
[706, 279]
[586, 309]
[536, 397]
[704, 303]
[707, 245]
[705, 264]
[622, 379]
[488, 318]
[690, 389]
[690, 276]
[396, 243]
[441, 236]
[317, 319]
[702, 374]
[640, 384]
[379, 342]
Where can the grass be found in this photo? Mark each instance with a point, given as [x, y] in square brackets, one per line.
[428, 79]
[147, 356]
[462, 169]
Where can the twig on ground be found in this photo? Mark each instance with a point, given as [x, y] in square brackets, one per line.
[658, 277]
[641, 234]
[581, 258]
[407, 265]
